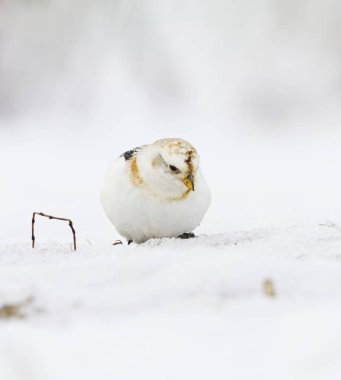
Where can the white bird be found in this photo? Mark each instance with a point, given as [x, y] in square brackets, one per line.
[156, 191]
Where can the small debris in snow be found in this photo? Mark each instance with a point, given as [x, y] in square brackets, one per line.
[14, 310]
[117, 242]
[268, 288]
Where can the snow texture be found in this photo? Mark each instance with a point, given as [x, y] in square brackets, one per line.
[176, 309]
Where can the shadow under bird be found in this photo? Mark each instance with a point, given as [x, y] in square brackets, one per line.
[156, 191]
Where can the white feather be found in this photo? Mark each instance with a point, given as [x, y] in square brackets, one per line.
[155, 208]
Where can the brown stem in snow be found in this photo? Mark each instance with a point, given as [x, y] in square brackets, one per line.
[56, 218]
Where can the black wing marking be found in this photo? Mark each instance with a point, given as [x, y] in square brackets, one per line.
[130, 153]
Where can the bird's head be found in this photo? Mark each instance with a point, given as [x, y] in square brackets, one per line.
[169, 166]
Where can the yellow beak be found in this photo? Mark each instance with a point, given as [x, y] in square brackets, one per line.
[189, 182]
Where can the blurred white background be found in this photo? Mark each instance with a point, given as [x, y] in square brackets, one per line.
[254, 85]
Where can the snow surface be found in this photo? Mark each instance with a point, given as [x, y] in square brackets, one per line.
[176, 309]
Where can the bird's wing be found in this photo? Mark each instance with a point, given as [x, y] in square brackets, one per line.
[131, 153]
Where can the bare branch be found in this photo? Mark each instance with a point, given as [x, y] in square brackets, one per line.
[56, 218]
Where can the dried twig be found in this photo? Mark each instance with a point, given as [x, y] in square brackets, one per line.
[117, 242]
[56, 218]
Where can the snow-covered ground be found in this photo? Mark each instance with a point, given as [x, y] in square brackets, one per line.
[174, 309]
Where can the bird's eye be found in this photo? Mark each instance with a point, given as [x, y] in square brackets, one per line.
[173, 168]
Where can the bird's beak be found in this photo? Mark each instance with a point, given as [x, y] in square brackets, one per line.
[189, 182]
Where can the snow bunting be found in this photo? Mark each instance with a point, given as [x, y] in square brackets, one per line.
[156, 191]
